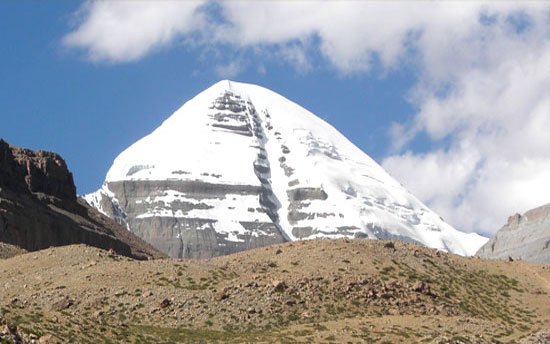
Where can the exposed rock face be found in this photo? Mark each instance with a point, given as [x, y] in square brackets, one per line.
[239, 166]
[46, 172]
[39, 207]
[524, 237]
[181, 237]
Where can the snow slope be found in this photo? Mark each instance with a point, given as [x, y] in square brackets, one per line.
[284, 165]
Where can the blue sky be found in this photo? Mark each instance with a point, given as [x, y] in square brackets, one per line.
[451, 98]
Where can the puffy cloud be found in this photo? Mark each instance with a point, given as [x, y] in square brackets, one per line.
[348, 32]
[119, 31]
[490, 108]
[482, 92]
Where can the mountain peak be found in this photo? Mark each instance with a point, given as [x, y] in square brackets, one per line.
[222, 85]
[240, 166]
[524, 237]
[227, 85]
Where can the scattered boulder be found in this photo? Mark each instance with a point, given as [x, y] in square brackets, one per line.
[541, 337]
[165, 303]
[63, 304]
[48, 339]
[279, 286]
[389, 245]
[223, 294]
[423, 288]
[9, 332]
[290, 302]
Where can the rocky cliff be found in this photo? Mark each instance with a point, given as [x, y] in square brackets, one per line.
[524, 237]
[239, 166]
[39, 207]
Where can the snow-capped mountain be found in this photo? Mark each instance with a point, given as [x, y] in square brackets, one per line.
[239, 166]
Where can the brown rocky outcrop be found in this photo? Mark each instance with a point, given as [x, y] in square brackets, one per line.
[9, 332]
[46, 173]
[39, 207]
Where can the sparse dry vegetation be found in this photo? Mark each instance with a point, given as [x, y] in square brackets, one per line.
[350, 291]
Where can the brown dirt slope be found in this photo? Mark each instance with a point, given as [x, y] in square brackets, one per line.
[350, 291]
[8, 251]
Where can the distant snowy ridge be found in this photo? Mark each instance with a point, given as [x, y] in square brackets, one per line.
[239, 166]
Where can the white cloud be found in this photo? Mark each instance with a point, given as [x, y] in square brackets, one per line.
[229, 70]
[483, 89]
[349, 31]
[119, 31]
[296, 55]
[494, 116]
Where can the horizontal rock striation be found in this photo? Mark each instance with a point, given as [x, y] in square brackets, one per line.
[181, 217]
[39, 207]
[524, 237]
[164, 222]
[239, 167]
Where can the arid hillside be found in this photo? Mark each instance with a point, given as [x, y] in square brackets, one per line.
[344, 291]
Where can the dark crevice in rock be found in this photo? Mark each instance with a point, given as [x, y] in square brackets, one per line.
[154, 220]
[262, 169]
